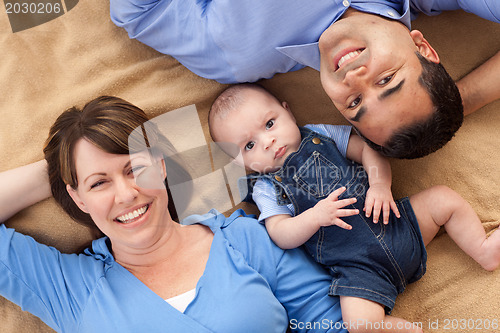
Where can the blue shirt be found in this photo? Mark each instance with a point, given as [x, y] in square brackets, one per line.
[244, 41]
[249, 285]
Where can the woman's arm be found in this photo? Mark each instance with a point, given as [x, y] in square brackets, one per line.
[22, 187]
[481, 86]
[298, 283]
[303, 288]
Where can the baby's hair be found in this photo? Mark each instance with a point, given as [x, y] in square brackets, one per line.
[228, 101]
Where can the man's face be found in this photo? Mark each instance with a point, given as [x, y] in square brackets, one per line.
[370, 71]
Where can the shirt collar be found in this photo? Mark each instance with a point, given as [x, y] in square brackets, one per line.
[308, 54]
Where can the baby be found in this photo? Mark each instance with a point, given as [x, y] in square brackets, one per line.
[309, 184]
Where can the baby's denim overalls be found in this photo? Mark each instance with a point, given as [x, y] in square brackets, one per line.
[373, 260]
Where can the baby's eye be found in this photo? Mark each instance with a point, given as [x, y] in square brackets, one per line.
[270, 124]
[249, 145]
[385, 80]
[355, 102]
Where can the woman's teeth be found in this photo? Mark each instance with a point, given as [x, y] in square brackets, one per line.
[127, 218]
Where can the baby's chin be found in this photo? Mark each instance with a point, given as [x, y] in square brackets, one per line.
[265, 169]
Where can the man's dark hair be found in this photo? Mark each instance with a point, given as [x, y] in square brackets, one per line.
[422, 138]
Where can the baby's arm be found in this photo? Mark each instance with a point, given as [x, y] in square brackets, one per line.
[290, 232]
[379, 195]
[23, 187]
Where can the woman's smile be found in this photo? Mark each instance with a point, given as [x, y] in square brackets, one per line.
[133, 215]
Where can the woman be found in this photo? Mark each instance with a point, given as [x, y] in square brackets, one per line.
[217, 275]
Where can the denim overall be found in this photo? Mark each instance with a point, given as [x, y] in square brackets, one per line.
[373, 260]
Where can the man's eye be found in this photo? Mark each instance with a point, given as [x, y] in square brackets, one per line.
[249, 145]
[385, 80]
[270, 124]
[355, 102]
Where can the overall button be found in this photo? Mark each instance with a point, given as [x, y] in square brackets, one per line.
[284, 196]
[278, 178]
[316, 141]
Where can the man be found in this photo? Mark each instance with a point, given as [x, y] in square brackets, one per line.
[244, 41]
[388, 83]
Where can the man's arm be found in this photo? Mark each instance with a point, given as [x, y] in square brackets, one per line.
[23, 187]
[487, 9]
[481, 86]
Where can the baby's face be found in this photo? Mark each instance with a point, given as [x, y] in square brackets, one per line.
[264, 130]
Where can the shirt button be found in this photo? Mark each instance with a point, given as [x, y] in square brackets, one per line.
[345, 3]
[391, 14]
[278, 178]
[316, 141]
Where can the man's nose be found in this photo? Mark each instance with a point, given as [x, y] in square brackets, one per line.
[356, 77]
[125, 190]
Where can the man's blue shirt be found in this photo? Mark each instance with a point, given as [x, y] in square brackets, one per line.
[244, 41]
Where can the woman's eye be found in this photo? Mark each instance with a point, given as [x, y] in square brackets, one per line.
[385, 80]
[355, 102]
[249, 145]
[270, 124]
[96, 184]
[137, 169]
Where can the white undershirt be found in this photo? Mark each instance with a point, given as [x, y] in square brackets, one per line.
[181, 302]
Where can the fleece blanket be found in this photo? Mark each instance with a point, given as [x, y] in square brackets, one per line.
[67, 58]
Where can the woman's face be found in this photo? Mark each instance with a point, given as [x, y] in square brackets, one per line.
[131, 216]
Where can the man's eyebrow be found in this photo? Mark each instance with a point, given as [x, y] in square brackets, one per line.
[359, 114]
[391, 91]
[362, 110]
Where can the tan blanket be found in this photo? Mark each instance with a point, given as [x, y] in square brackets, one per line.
[81, 55]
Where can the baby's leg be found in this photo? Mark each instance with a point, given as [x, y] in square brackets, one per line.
[440, 206]
[362, 315]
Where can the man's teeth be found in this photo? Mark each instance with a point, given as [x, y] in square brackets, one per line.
[348, 56]
[126, 218]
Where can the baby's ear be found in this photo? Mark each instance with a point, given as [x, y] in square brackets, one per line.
[287, 107]
[76, 198]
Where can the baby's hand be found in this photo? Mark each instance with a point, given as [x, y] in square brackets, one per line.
[329, 210]
[379, 197]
